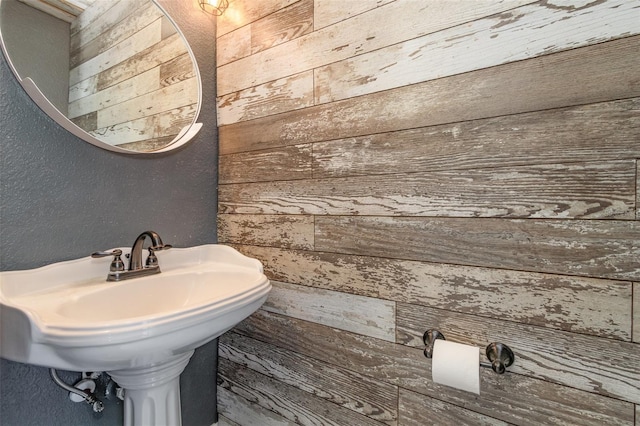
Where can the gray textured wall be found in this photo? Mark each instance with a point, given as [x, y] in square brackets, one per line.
[44, 59]
[62, 198]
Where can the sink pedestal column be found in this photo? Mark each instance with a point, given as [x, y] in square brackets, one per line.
[152, 393]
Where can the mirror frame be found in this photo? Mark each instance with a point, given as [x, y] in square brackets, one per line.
[185, 135]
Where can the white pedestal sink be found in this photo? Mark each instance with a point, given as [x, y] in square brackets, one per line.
[141, 331]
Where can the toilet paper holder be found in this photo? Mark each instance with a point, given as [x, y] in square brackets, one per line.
[500, 355]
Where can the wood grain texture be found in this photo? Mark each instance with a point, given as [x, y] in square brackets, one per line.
[521, 120]
[602, 249]
[329, 12]
[287, 401]
[98, 18]
[588, 363]
[88, 122]
[141, 40]
[241, 411]
[282, 26]
[223, 421]
[177, 70]
[497, 39]
[359, 314]
[178, 95]
[596, 132]
[148, 129]
[157, 54]
[575, 190]
[638, 190]
[276, 28]
[373, 398]
[281, 95]
[597, 73]
[233, 45]
[141, 84]
[636, 312]
[578, 304]
[269, 230]
[291, 162]
[159, 88]
[380, 27]
[99, 38]
[512, 398]
[419, 410]
[241, 13]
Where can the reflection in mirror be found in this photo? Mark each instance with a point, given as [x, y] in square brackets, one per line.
[119, 70]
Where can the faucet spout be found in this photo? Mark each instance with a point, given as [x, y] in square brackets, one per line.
[135, 262]
[136, 268]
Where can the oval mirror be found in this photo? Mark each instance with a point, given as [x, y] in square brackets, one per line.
[118, 73]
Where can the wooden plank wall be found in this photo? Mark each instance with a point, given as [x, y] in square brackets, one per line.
[132, 81]
[466, 165]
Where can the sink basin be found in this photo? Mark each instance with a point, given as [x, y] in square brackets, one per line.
[66, 315]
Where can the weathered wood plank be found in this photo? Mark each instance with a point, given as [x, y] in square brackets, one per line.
[392, 23]
[378, 359]
[241, 13]
[373, 398]
[87, 122]
[575, 190]
[419, 410]
[149, 58]
[592, 364]
[83, 88]
[168, 28]
[233, 45]
[286, 163]
[597, 73]
[140, 41]
[267, 230]
[329, 12]
[178, 69]
[287, 401]
[282, 26]
[359, 314]
[282, 95]
[602, 249]
[223, 421]
[513, 398]
[583, 305]
[638, 190]
[636, 312]
[529, 31]
[244, 412]
[529, 138]
[139, 85]
[99, 17]
[127, 26]
[177, 95]
[165, 124]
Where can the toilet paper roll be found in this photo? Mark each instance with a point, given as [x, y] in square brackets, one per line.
[456, 365]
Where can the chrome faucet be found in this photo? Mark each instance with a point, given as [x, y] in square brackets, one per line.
[117, 271]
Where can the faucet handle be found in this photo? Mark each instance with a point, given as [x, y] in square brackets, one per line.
[117, 264]
[152, 260]
[116, 252]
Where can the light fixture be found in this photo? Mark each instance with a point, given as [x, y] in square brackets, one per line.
[214, 7]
